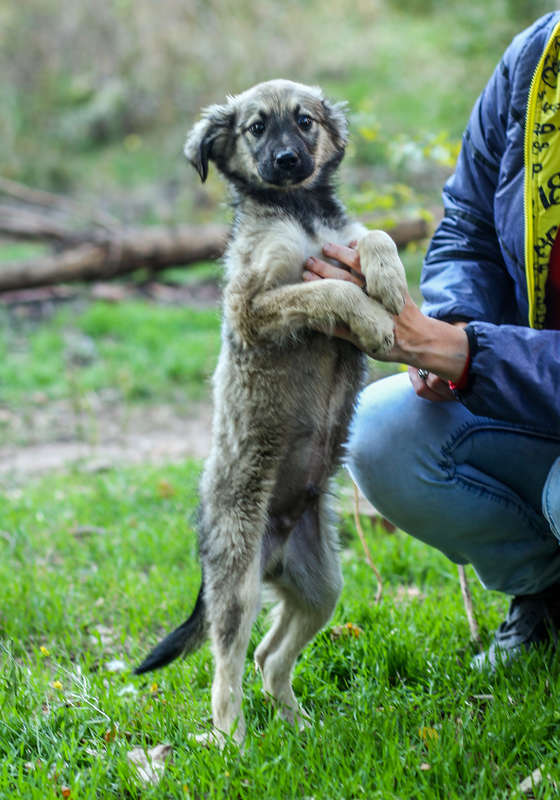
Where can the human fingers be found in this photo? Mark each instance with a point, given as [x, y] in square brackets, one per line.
[346, 255]
[439, 386]
[323, 269]
[310, 276]
[429, 387]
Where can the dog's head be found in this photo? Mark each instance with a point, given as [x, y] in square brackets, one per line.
[276, 135]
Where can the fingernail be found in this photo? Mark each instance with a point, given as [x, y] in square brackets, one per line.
[307, 276]
[310, 260]
[327, 248]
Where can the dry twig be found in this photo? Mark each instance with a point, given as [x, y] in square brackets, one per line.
[467, 600]
[369, 559]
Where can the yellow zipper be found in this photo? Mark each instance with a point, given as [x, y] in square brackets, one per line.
[528, 183]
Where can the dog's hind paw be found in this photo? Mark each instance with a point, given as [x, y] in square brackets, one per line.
[216, 739]
[209, 739]
[298, 717]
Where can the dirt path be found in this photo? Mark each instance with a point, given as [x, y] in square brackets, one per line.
[57, 438]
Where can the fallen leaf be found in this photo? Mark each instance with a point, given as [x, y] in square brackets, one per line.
[534, 779]
[130, 688]
[531, 781]
[424, 766]
[387, 525]
[102, 635]
[110, 734]
[65, 791]
[149, 764]
[428, 735]
[348, 629]
[116, 665]
[405, 593]
[165, 489]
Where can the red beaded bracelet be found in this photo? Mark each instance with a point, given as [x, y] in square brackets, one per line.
[464, 378]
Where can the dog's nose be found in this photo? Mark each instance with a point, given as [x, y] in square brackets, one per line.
[286, 159]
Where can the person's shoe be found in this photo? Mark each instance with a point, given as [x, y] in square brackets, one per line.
[533, 619]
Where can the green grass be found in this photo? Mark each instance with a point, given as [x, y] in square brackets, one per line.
[145, 352]
[386, 703]
[398, 712]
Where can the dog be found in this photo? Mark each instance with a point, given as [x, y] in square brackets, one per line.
[284, 389]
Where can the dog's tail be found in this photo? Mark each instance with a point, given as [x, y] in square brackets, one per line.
[185, 639]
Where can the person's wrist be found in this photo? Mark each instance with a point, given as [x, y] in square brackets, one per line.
[435, 346]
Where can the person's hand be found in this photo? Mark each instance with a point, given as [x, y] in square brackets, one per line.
[430, 386]
[439, 349]
[347, 269]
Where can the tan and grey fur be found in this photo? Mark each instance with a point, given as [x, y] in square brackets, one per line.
[284, 387]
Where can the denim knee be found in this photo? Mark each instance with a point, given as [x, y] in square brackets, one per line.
[392, 441]
[374, 432]
[551, 498]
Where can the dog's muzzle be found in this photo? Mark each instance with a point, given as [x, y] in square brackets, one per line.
[286, 167]
[286, 160]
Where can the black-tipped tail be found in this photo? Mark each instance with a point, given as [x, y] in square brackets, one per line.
[185, 639]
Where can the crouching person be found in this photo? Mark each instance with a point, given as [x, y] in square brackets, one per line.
[463, 452]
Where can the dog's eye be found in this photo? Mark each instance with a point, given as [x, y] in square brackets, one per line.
[304, 121]
[257, 128]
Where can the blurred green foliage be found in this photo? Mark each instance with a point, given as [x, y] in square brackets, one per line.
[98, 94]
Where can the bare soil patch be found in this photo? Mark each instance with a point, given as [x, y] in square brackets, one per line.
[58, 437]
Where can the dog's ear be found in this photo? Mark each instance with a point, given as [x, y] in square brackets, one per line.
[204, 140]
[336, 123]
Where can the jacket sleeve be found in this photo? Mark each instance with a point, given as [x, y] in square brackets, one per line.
[514, 375]
[515, 371]
[464, 275]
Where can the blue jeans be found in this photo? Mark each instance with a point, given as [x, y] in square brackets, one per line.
[482, 491]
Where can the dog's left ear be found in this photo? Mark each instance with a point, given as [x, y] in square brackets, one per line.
[208, 136]
[336, 123]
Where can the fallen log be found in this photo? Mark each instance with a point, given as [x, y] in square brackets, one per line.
[92, 245]
[410, 230]
[110, 254]
[156, 248]
[58, 202]
[26, 224]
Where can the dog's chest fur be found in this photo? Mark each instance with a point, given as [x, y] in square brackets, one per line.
[294, 394]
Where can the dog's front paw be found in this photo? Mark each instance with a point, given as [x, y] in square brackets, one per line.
[375, 333]
[383, 270]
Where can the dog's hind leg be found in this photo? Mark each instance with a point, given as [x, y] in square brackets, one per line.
[309, 587]
[232, 598]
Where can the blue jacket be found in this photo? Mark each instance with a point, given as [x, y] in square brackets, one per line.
[475, 268]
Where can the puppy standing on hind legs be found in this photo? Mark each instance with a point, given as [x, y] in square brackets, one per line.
[284, 388]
